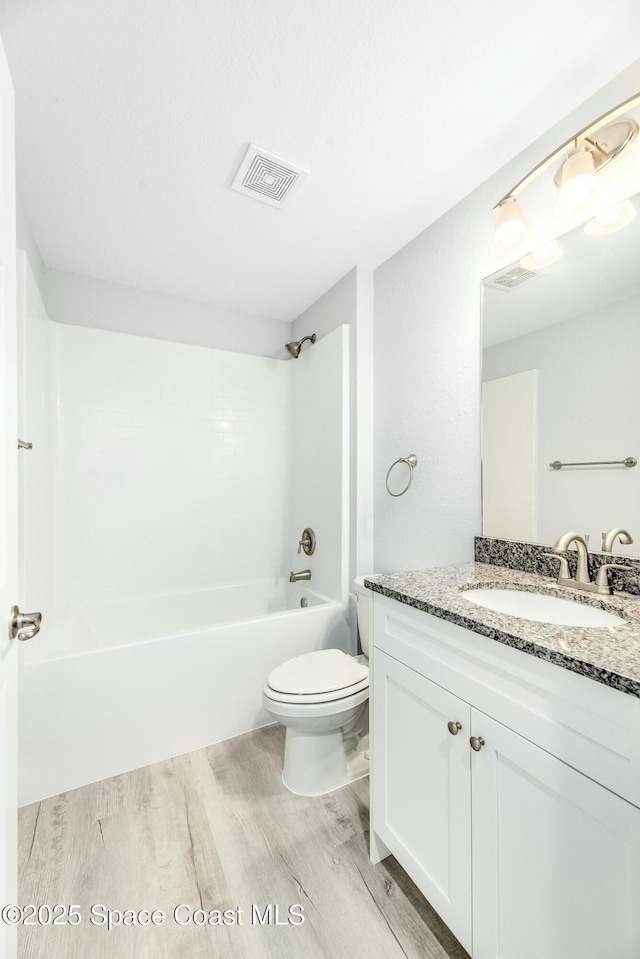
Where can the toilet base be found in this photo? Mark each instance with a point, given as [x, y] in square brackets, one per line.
[319, 763]
[325, 742]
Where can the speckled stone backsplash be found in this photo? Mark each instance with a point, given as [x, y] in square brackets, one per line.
[530, 558]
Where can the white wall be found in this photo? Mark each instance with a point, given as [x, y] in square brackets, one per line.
[350, 301]
[84, 301]
[427, 363]
[26, 241]
[588, 409]
[320, 461]
[509, 457]
[34, 426]
[172, 466]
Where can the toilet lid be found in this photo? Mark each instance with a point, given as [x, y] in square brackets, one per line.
[319, 672]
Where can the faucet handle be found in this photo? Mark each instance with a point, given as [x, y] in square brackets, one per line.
[308, 541]
[563, 572]
[602, 576]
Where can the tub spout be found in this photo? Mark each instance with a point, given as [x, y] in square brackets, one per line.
[303, 574]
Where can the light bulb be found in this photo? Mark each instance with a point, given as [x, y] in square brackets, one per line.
[542, 256]
[510, 229]
[610, 219]
[579, 184]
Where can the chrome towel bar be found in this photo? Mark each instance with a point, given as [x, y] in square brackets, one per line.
[630, 461]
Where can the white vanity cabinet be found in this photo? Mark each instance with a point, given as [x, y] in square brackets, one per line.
[526, 848]
[421, 791]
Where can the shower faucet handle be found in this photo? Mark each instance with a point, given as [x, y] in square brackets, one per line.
[308, 541]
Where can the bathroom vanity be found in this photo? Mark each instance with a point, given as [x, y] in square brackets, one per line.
[506, 764]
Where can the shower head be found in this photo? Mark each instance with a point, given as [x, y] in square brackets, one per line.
[293, 349]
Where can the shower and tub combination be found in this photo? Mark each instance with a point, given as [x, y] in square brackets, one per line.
[115, 686]
[160, 520]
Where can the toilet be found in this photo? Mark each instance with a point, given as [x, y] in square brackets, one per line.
[322, 698]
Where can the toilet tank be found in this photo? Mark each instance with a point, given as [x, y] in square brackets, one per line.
[364, 607]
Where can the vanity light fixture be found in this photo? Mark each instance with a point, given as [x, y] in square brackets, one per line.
[589, 152]
[510, 229]
[579, 184]
[542, 256]
[611, 219]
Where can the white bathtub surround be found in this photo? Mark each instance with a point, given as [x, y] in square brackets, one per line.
[180, 467]
[350, 302]
[172, 466]
[159, 533]
[97, 701]
[319, 460]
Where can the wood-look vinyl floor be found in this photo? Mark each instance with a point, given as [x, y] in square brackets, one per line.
[215, 830]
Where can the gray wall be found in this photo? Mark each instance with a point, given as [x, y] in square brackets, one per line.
[84, 301]
[332, 309]
[427, 364]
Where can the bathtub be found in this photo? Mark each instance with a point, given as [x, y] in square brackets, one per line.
[114, 686]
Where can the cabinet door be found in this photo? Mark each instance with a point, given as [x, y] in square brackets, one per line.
[421, 797]
[556, 857]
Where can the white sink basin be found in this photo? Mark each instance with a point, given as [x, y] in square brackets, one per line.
[542, 609]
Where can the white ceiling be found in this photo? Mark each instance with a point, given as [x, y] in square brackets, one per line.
[132, 117]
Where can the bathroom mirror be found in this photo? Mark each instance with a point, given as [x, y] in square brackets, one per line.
[561, 383]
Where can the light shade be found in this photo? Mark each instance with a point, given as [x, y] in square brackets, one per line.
[510, 230]
[579, 184]
[611, 219]
[542, 256]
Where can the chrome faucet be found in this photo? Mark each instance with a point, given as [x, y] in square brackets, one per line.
[608, 539]
[583, 578]
[303, 574]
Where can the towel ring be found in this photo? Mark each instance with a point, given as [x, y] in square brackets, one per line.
[412, 461]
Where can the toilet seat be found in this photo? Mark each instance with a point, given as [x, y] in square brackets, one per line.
[302, 698]
[319, 677]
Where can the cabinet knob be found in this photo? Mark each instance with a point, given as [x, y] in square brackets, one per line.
[454, 728]
[477, 742]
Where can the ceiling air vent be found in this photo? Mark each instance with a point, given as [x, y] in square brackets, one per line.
[267, 177]
[512, 277]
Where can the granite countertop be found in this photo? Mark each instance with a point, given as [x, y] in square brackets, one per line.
[609, 654]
